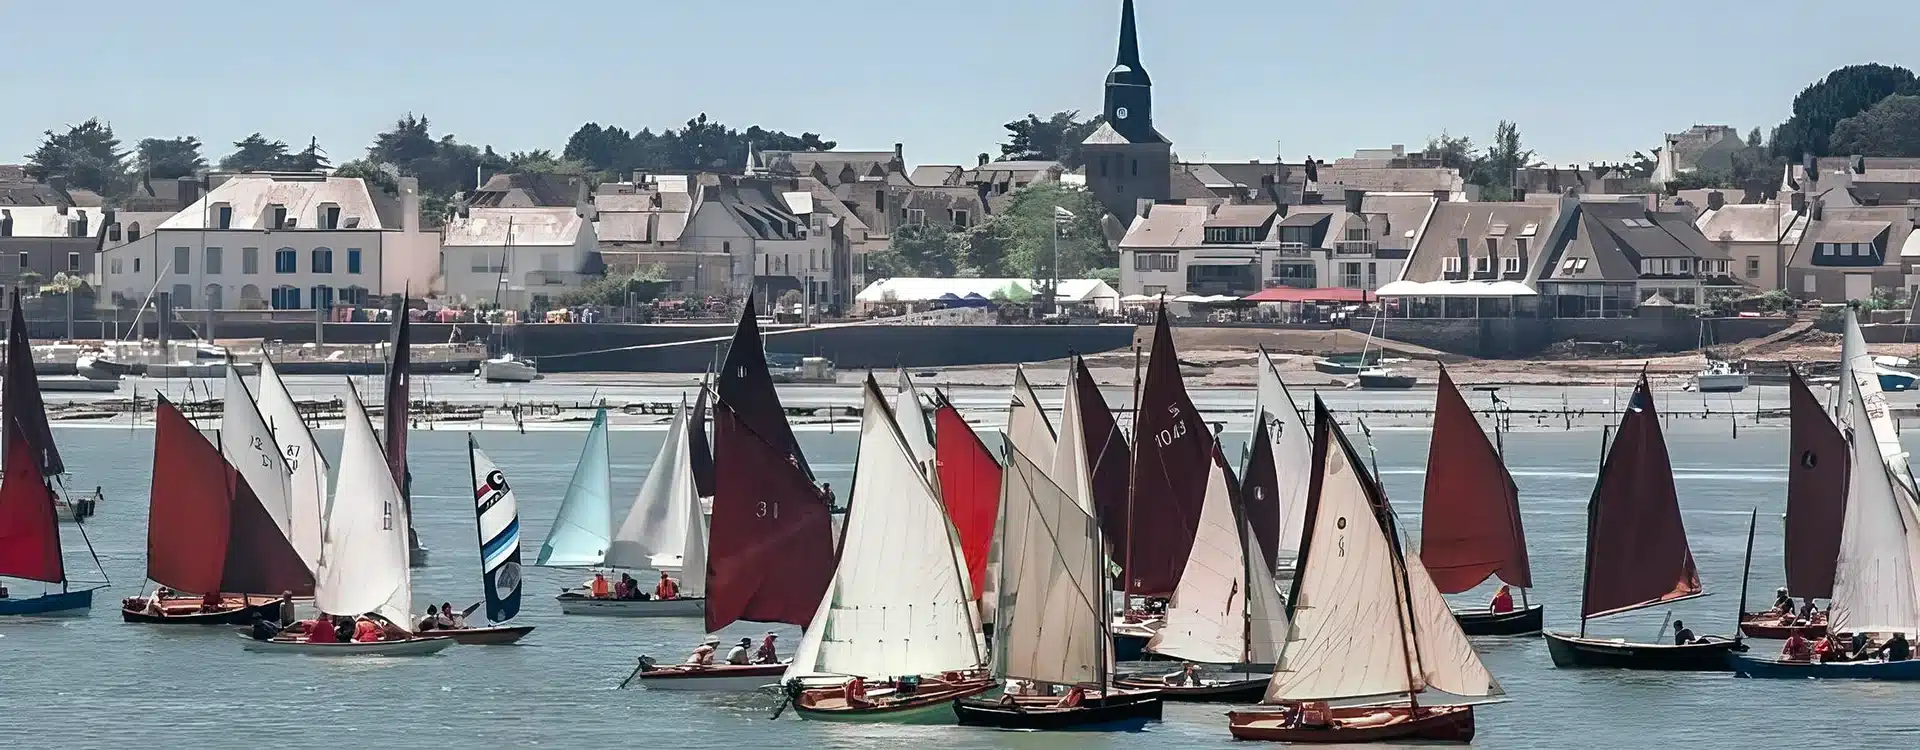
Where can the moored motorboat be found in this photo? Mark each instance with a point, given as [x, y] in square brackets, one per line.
[1775, 626]
[1354, 724]
[578, 603]
[1871, 669]
[508, 369]
[1117, 710]
[1719, 377]
[416, 646]
[717, 677]
[1386, 379]
[1520, 622]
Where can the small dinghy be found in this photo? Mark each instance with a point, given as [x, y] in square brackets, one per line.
[233, 611]
[1817, 487]
[1242, 689]
[496, 635]
[732, 678]
[574, 602]
[497, 518]
[1359, 724]
[1776, 626]
[418, 646]
[1470, 529]
[1764, 668]
[1530, 620]
[1119, 710]
[910, 701]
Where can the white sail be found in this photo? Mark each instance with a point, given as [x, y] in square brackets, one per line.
[1072, 468]
[913, 421]
[657, 522]
[364, 556]
[1292, 445]
[1859, 373]
[1207, 618]
[1349, 638]
[1447, 660]
[1027, 426]
[693, 561]
[898, 603]
[583, 529]
[307, 488]
[249, 446]
[1873, 580]
[1050, 625]
[1267, 627]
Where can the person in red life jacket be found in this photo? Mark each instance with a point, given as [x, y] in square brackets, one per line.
[211, 602]
[599, 586]
[1074, 696]
[1502, 600]
[857, 692]
[1797, 648]
[366, 631]
[320, 630]
[667, 588]
[767, 653]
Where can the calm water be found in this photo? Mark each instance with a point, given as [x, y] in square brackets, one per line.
[94, 682]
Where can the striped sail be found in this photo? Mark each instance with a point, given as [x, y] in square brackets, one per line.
[498, 515]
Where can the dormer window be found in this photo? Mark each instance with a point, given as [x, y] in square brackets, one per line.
[113, 233]
[223, 216]
[1529, 230]
[328, 217]
[277, 216]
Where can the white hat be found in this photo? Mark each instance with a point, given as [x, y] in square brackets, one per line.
[712, 640]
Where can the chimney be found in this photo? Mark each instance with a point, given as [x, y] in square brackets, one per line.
[61, 209]
[1716, 200]
[1310, 197]
[983, 160]
[709, 192]
[1271, 191]
[1142, 207]
[583, 199]
[409, 204]
[1819, 208]
[59, 184]
[1857, 164]
[900, 154]
[6, 223]
[189, 190]
[1354, 200]
[1798, 202]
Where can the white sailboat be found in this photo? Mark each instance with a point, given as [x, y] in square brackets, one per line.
[1369, 629]
[307, 485]
[1027, 427]
[898, 606]
[1292, 446]
[248, 444]
[664, 527]
[1858, 372]
[363, 558]
[913, 423]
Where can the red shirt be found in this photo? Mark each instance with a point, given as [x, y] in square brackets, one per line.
[211, 601]
[320, 631]
[366, 631]
[1503, 602]
[667, 589]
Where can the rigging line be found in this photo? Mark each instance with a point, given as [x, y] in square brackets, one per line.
[709, 340]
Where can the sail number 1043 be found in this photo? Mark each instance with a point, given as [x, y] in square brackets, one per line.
[1165, 437]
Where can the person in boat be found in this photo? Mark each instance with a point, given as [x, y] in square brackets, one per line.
[826, 494]
[856, 692]
[1808, 611]
[767, 654]
[1502, 601]
[431, 621]
[367, 631]
[211, 602]
[1797, 648]
[1830, 650]
[1075, 695]
[667, 588]
[1783, 603]
[322, 629]
[1683, 635]
[288, 615]
[1895, 649]
[449, 619]
[3, 591]
[626, 588]
[1189, 675]
[738, 655]
[263, 628]
[703, 655]
[599, 586]
[343, 629]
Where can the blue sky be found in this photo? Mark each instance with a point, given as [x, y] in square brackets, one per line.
[1234, 79]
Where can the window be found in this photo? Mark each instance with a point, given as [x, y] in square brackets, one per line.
[1520, 246]
[180, 259]
[1451, 263]
[182, 296]
[330, 216]
[353, 260]
[1649, 266]
[1808, 285]
[286, 261]
[1753, 266]
[486, 262]
[1350, 277]
[286, 298]
[1482, 264]
[136, 265]
[216, 297]
[1373, 275]
[962, 218]
[1103, 165]
[813, 259]
[916, 216]
[322, 297]
[1136, 167]
[213, 261]
[1846, 249]
[113, 233]
[1462, 245]
[279, 213]
[224, 216]
[322, 263]
[1498, 229]
[1156, 261]
[1529, 230]
[113, 265]
[1509, 265]
[1686, 265]
[73, 261]
[133, 231]
[250, 261]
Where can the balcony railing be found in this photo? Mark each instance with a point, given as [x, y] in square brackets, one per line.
[1355, 247]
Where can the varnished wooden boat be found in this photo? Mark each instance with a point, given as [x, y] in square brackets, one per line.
[1357, 724]
[1572, 651]
[1120, 710]
[1248, 690]
[499, 635]
[719, 677]
[1528, 621]
[1767, 625]
[232, 612]
[928, 704]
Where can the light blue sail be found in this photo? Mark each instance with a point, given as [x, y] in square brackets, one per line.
[583, 529]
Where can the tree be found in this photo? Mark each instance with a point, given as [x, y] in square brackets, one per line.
[542, 161]
[1453, 151]
[1504, 157]
[1056, 138]
[1845, 92]
[310, 159]
[1890, 127]
[87, 155]
[169, 158]
[1028, 227]
[920, 250]
[255, 153]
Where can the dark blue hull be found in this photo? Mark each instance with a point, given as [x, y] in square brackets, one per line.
[1130, 648]
[63, 604]
[1760, 668]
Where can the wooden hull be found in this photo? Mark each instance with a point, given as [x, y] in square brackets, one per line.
[1570, 652]
[63, 604]
[239, 614]
[409, 647]
[576, 604]
[1766, 625]
[932, 704]
[720, 678]
[499, 635]
[1118, 712]
[1898, 671]
[1358, 724]
[1249, 690]
[1530, 621]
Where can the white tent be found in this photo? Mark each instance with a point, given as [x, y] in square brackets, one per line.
[1072, 291]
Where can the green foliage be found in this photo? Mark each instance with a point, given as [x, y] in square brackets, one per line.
[701, 144]
[255, 153]
[542, 161]
[1491, 168]
[920, 250]
[1890, 127]
[1056, 138]
[1111, 275]
[309, 159]
[87, 155]
[1845, 92]
[169, 158]
[612, 290]
[1027, 227]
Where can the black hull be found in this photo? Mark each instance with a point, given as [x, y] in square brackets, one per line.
[1520, 622]
[242, 616]
[1120, 712]
[1573, 652]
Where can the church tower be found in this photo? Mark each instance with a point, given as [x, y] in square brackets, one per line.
[1126, 159]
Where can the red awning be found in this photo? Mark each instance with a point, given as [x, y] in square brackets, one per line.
[1325, 294]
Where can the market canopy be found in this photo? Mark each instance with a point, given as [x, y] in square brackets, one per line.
[1324, 294]
[1456, 289]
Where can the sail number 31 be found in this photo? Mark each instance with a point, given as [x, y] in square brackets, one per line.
[767, 510]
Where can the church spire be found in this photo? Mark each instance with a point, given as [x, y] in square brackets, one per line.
[1129, 105]
[1129, 39]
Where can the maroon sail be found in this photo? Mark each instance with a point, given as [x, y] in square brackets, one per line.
[29, 533]
[770, 548]
[1637, 553]
[206, 531]
[702, 454]
[1816, 494]
[1260, 494]
[1107, 449]
[1169, 474]
[1470, 528]
[747, 388]
[20, 403]
[399, 380]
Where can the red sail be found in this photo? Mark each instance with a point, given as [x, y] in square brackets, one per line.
[969, 487]
[1169, 474]
[206, 532]
[20, 402]
[29, 534]
[702, 452]
[747, 388]
[1470, 528]
[1816, 494]
[1110, 456]
[1260, 494]
[1637, 550]
[770, 549]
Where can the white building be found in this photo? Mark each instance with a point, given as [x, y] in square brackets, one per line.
[519, 257]
[281, 241]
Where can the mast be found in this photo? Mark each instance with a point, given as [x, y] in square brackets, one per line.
[1133, 474]
[1746, 567]
[1593, 505]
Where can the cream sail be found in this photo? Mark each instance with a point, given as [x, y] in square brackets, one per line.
[1859, 373]
[1027, 425]
[248, 444]
[364, 556]
[1072, 468]
[898, 602]
[913, 422]
[307, 487]
[1292, 444]
[1212, 618]
[656, 528]
[1051, 625]
[1873, 580]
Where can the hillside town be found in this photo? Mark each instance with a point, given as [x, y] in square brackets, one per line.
[1101, 217]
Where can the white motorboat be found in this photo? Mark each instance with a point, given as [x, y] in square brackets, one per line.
[418, 646]
[508, 369]
[577, 603]
[1719, 377]
[736, 678]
